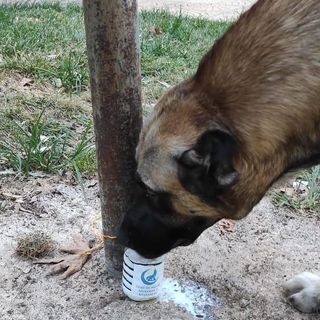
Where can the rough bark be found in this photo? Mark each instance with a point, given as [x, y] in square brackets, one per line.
[113, 54]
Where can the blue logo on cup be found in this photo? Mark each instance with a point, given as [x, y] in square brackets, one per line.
[148, 278]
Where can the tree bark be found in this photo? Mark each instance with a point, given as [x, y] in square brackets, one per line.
[113, 54]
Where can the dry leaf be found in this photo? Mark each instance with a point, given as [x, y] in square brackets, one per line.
[71, 263]
[289, 192]
[26, 82]
[155, 30]
[44, 187]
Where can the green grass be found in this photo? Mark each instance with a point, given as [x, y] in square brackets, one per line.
[174, 54]
[40, 144]
[52, 131]
[44, 41]
[309, 200]
[47, 42]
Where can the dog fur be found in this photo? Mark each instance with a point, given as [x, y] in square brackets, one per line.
[216, 142]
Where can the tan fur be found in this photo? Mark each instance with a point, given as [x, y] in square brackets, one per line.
[260, 82]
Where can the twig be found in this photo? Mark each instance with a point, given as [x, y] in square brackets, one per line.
[165, 84]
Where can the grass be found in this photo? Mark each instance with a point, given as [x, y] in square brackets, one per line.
[308, 199]
[47, 42]
[173, 53]
[39, 144]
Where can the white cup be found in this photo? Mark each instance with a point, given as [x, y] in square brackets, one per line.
[141, 277]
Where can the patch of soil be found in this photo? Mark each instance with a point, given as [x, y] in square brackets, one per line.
[244, 269]
[210, 9]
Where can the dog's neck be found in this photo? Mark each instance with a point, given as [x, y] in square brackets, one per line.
[263, 159]
[274, 136]
[276, 123]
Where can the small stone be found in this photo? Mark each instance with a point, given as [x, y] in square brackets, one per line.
[244, 303]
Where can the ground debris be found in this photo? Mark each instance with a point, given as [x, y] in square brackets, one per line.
[26, 82]
[34, 245]
[79, 254]
[7, 172]
[226, 226]
[11, 196]
[165, 84]
[155, 30]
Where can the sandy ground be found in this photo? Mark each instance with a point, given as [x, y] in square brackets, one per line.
[243, 270]
[212, 9]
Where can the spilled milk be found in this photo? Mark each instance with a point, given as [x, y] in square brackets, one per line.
[142, 280]
[187, 294]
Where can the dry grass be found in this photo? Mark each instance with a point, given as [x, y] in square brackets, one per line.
[34, 245]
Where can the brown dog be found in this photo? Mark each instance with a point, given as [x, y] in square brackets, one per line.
[216, 142]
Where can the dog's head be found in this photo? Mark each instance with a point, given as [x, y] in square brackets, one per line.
[185, 164]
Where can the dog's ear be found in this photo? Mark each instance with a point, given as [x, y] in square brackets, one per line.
[207, 168]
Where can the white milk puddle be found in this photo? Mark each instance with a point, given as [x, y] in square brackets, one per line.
[189, 295]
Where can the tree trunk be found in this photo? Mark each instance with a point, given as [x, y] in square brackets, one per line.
[113, 54]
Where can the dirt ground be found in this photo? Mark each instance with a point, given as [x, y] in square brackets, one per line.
[242, 271]
[211, 9]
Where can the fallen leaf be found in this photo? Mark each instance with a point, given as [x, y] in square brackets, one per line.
[44, 187]
[26, 82]
[155, 30]
[72, 263]
[289, 192]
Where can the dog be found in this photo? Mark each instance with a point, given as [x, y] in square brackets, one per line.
[216, 142]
